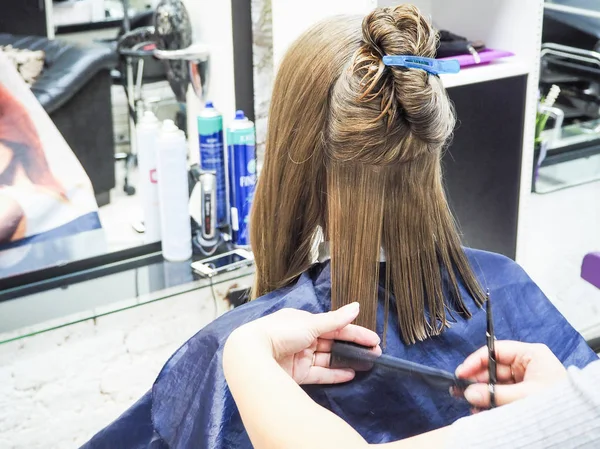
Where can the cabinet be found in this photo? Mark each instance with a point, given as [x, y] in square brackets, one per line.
[482, 166]
[25, 17]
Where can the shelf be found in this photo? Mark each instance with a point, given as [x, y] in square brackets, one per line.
[80, 300]
[582, 12]
[89, 26]
[503, 68]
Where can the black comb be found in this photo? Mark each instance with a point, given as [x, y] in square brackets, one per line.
[349, 354]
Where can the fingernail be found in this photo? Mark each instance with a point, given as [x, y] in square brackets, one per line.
[473, 396]
[458, 369]
[352, 308]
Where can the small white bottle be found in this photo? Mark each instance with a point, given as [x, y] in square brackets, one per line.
[147, 131]
[173, 194]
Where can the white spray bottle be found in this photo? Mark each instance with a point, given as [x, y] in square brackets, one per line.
[173, 194]
[147, 131]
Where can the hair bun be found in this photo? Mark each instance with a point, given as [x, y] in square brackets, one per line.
[402, 30]
[406, 94]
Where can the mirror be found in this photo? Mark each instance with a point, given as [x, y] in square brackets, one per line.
[566, 167]
[568, 124]
[75, 78]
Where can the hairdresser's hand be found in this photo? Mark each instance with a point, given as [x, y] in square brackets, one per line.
[301, 341]
[522, 369]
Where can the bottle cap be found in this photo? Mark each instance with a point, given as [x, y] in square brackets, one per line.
[169, 126]
[148, 118]
[209, 105]
[239, 115]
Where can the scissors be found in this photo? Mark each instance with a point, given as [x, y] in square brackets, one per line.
[491, 338]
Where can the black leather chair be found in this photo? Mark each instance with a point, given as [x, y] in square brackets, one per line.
[75, 91]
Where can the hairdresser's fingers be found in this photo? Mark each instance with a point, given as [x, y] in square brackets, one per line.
[321, 375]
[507, 353]
[355, 334]
[325, 345]
[504, 375]
[323, 323]
[322, 359]
[478, 395]
[528, 361]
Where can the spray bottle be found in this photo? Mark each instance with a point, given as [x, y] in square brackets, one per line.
[147, 132]
[173, 193]
[242, 175]
[212, 156]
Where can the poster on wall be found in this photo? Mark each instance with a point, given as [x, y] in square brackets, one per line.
[47, 204]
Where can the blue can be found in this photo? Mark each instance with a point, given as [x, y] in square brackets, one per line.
[241, 153]
[212, 156]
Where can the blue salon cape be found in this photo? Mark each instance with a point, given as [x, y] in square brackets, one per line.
[190, 406]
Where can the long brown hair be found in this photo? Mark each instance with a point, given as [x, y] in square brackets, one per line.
[353, 149]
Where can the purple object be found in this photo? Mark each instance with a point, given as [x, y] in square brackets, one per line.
[590, 269]
[486, 56]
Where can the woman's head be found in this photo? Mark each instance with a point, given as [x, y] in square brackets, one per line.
[353, 148]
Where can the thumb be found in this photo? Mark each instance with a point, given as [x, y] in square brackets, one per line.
[337, 319]
[479, 394]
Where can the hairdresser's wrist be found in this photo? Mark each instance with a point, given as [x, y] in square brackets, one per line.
[245, 346]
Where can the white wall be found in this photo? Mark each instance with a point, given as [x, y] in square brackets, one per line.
[58, 388]
[290, 19]
[211, 23]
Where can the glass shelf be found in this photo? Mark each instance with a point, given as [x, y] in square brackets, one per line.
[73, 302]
[574, 134]
[573, 157]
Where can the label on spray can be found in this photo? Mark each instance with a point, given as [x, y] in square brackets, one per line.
[241, 153]
[208, 188]
[212, 156]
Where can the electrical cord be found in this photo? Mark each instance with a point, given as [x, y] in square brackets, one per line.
[137, 283]
[214, 296]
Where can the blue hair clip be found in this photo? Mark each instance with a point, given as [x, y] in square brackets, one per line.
[430, 65]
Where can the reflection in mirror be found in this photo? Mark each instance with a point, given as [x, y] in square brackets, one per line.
[564, 208]
[48, 211]
[76, 78]
[568, 125]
